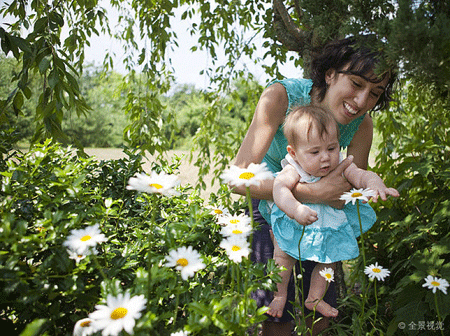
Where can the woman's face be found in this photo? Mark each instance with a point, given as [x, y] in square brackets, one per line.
[349, 96]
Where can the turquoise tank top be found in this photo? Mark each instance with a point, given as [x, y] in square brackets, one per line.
[298, 91]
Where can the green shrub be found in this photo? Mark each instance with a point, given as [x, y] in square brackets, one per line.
[412, 235]
[48, 192]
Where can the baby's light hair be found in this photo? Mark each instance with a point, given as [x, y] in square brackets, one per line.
[315, 117]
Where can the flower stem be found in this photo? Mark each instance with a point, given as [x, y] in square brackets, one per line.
[105, 278]
[376, 302]
[364, 260]
[438, 313]
[250, 206]
[177, 302]
[247, 278]
[232, 276]
[362, 237]
[301, 279]
[149, 241]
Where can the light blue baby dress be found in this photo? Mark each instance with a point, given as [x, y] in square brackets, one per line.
[329, 239]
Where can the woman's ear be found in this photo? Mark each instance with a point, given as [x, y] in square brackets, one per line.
[329, 75]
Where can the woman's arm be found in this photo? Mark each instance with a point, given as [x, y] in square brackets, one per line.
[269, 115]
[361, 143]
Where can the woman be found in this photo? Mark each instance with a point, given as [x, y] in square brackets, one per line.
[343, 82]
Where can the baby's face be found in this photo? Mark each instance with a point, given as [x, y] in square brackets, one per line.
[318, 154]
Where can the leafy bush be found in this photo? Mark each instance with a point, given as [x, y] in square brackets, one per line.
[412, 237]
[49, 192]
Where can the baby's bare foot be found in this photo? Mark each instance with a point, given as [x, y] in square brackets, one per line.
[322, 307]
[276, 306]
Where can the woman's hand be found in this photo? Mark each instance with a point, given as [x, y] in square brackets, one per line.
[328, 189]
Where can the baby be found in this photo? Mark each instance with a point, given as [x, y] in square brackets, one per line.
[330, 234]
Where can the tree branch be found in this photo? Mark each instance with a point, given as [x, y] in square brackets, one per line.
[288, 33]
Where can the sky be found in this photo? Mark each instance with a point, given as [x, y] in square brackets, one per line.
[187, 64]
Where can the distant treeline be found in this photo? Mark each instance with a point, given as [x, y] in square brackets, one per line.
[106, 94]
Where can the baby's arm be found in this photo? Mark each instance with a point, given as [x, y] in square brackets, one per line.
[285, 200]
[361, 178]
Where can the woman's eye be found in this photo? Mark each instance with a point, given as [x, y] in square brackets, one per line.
[356, 84]
[375, 94]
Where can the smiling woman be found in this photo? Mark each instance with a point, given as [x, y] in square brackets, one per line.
[344, 84]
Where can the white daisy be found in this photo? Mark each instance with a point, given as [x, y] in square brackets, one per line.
[252, 175]
[236, 247]
[376, 271]
[119, 313]
[161, 183]
[185, 259]
[82, 241]
[218, 211]
[76, 256]
[327, 274]
[434, 283]
[179, 333]
[357, 194]
[240, 229]
[234, 219]
[83, 327]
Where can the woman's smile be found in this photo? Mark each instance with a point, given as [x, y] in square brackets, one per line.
[350, 109]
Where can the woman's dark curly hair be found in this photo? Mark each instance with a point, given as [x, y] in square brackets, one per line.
[358, 58]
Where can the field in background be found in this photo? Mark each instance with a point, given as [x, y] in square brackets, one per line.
[188, 172]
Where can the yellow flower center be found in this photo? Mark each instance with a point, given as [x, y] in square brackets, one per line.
[435, 283]
[328, 276]
[119, 313]
[156, 185]
[237, 231]
[376, 270]
[85, 238]
[357, 194]
[182, 262]
[85, 324]
[218, 211]
[235, 248]
[234, 221]
[246, 176]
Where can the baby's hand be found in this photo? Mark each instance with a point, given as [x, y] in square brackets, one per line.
[383, 193]
[304, 215]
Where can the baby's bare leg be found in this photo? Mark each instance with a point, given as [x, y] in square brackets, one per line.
[317, 290]
[280, 296]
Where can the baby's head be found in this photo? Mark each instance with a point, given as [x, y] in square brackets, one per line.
[313, 139]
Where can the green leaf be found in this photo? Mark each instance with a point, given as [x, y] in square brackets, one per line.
[45, 63]
[33, 328]
[40, 25]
